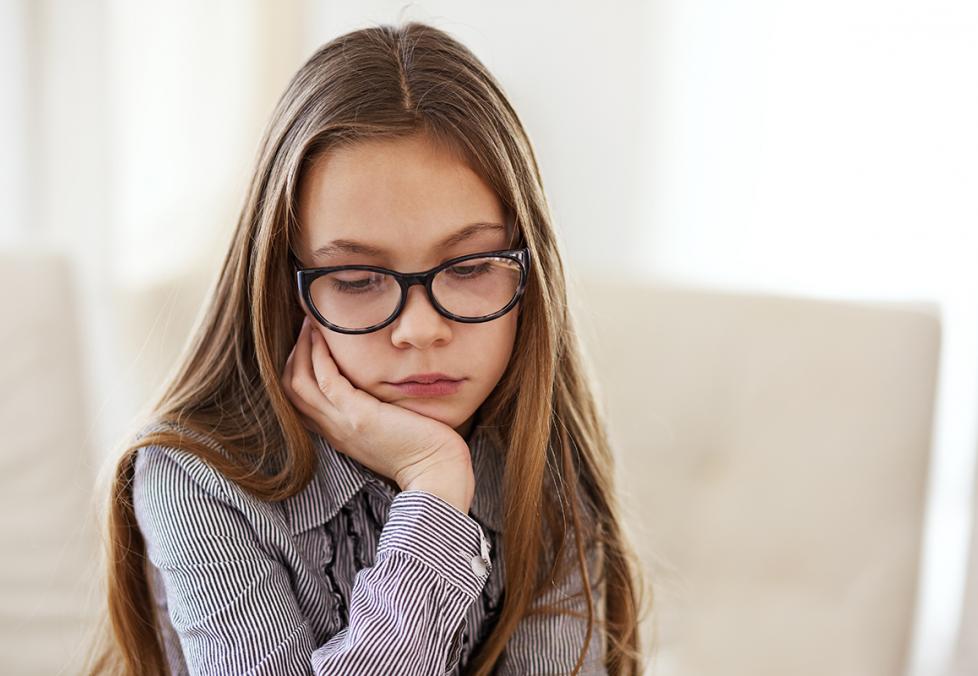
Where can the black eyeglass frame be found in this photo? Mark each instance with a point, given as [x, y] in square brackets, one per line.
[305, 277]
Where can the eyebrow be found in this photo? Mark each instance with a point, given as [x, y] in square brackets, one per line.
[338, 246]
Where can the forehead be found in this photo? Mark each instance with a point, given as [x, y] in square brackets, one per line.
[403, 196]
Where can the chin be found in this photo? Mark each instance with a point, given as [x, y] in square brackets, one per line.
[432, 408]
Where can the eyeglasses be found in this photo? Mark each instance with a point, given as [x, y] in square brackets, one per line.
[470, 289]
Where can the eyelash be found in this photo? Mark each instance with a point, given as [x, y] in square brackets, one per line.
[353, 288]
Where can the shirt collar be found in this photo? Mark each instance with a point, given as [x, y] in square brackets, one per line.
[339, 477]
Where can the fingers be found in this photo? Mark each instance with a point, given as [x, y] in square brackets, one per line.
[315, 385]
[330, 382]
[298, 373]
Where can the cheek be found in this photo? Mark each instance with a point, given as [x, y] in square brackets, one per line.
[496, 349]
[351, 356]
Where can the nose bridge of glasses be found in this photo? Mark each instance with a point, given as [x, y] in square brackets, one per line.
[410, 280]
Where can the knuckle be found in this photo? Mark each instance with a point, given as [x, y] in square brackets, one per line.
[295, 384]
[358, 423]
[362, 415]
[324, 386]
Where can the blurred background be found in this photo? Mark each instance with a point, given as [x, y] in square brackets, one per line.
[773, 203]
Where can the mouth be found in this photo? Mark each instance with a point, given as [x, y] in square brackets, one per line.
[435, 388]
[427, 378]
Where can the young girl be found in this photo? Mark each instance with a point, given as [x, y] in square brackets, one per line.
[380, 453]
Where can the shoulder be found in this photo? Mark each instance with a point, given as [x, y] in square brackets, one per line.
[176, 492]
[191, 516]
[161, 469]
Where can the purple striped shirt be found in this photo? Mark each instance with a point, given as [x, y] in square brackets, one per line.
[349, 576]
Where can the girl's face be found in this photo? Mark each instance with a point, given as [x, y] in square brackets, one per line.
[404, 197]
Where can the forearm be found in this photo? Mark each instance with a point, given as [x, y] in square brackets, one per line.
[407, 610]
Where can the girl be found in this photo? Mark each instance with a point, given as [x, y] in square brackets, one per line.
[380, 453]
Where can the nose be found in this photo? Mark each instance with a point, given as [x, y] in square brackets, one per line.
[419, 323]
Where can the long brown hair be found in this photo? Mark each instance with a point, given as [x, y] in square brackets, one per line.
[386, 82]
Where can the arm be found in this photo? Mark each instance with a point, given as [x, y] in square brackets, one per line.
[232, 606]
[550, 644]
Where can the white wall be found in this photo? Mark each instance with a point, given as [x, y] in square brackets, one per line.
[15, 128]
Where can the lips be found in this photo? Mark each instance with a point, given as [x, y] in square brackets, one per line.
[426, 378]
[435, 389]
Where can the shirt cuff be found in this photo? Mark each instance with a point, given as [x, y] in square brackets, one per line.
[429, 528]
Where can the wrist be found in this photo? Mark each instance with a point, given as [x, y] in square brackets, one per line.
[452, 481]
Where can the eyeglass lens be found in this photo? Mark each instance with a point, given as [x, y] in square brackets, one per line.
[358, 299]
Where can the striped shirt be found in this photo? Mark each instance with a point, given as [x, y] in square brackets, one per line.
[349, 576]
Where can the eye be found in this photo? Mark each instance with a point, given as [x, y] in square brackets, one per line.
[468, 271]
[350, 287]
[357, 283]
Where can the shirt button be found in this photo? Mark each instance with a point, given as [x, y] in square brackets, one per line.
[478, 565]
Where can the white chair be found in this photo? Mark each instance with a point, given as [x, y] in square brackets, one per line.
[773, 452]
[46, 469]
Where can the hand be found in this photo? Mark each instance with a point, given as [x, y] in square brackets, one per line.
[408, 447]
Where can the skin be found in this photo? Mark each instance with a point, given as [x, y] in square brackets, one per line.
[403, 196]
